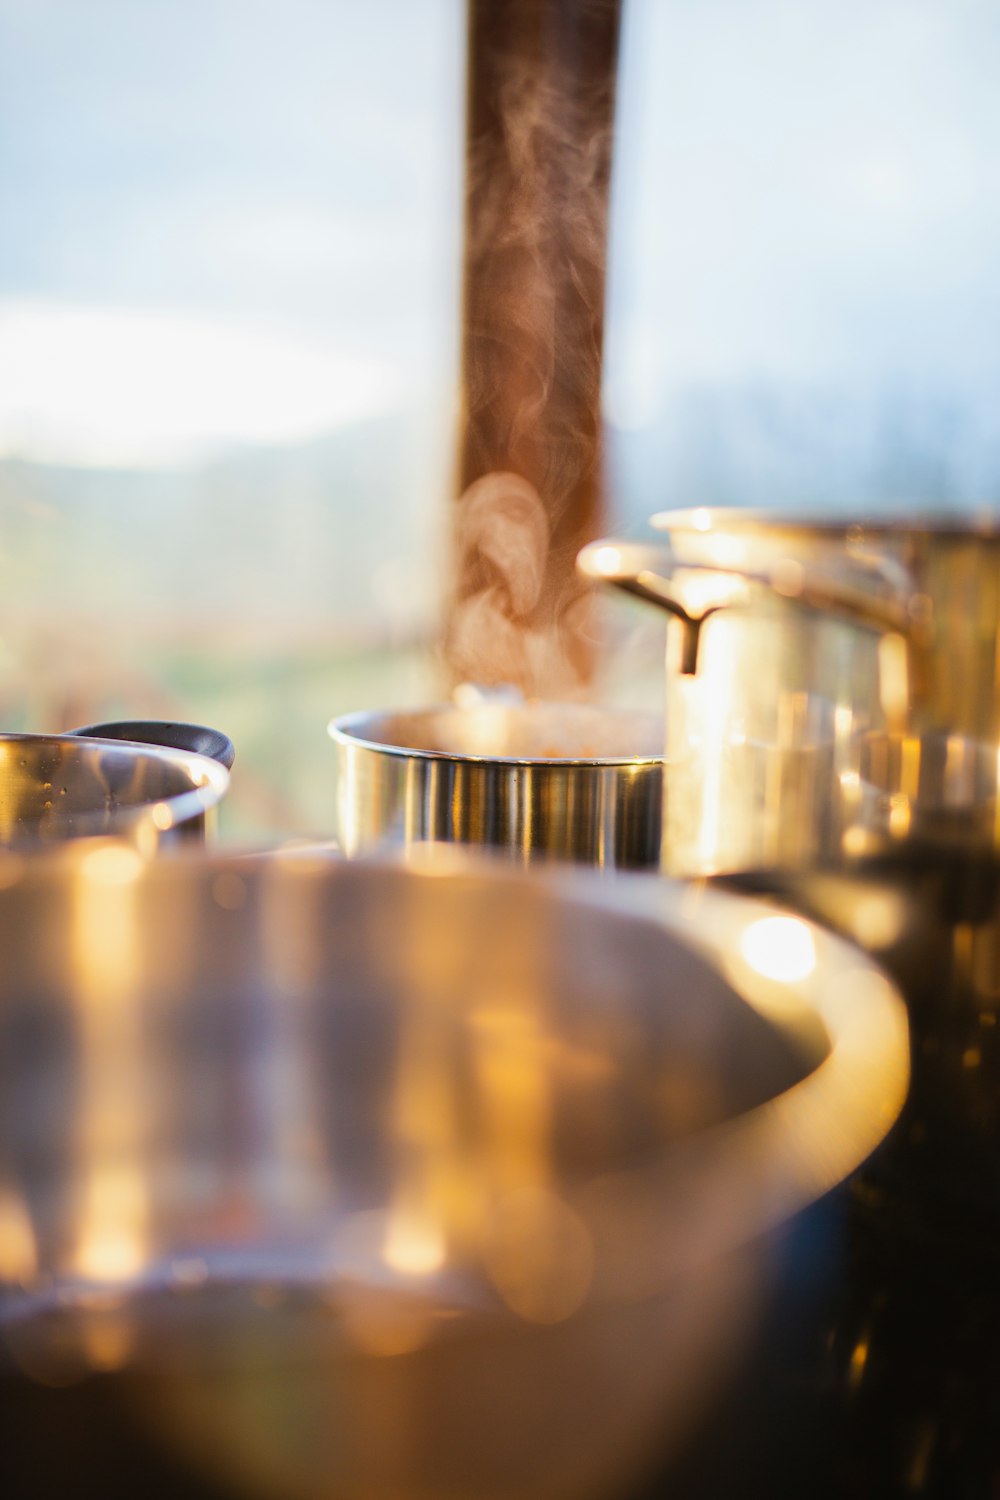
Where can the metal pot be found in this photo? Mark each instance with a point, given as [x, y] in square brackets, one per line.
[539, 781]
[324, 1175]
[139, 780]
[795, 644]
[200, 739]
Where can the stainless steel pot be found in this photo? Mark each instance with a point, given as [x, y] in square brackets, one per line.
[795, 644]
[119, 778]
[539, 781]
[346, 1177]
[201, 739]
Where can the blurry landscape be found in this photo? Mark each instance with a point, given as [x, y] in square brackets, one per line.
[229, 291]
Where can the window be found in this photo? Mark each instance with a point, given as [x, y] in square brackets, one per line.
[229, 247]
[804, 308]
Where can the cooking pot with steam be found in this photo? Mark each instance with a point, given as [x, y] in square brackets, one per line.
[831, 683]
[537, 781]
[442, 1179]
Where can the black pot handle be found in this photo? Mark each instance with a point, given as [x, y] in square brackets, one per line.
[197, 738]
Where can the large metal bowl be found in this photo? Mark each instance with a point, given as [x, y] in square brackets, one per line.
[327, 1177]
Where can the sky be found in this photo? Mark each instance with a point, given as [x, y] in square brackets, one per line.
[231, 220]
[806, 193]
[222, 218]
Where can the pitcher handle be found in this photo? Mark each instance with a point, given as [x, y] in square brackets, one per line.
[876, 593]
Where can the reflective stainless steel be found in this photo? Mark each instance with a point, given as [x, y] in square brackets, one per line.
[54, 787]
[766, 609]
[918, 1306]
[199, 738]
[537, 780]
[327, 1147]
[765, 612]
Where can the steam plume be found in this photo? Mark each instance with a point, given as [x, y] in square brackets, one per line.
[541, 100]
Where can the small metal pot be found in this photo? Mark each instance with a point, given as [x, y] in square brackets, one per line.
[538, 780]
[139, 780]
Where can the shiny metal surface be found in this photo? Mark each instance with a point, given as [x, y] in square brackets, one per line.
[54, 787]
[911, 1384]
[294, 1152]
[539, 781]
[883, 631]
[202, 739]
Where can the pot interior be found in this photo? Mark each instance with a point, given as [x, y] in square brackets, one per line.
[531, 732]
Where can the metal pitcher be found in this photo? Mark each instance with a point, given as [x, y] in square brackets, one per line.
[831, 683]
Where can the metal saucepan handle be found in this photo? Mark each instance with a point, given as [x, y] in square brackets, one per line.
[197, 738]
[876, 593]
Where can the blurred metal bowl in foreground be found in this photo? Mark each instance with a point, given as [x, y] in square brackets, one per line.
[349, 1179]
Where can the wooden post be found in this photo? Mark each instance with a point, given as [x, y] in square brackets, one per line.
[540, 117]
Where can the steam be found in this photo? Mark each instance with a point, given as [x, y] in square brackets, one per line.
[540, 118]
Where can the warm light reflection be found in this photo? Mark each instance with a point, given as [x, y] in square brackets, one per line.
[859, 1361]
[855, 842]
[900, 815]
[413, 1247]
[843, 722]
[112, 1244]
[114, 1089]
[607, 561]
[513, 1074]
[112, 864]
[779, 948]
[110, 1252]
[18, 1253]
[162, 816]
[702, 591]
[879, 919]
[894, 678]
[702, 753]
[350, 800]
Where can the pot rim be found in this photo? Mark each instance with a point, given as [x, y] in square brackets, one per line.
[983, 525]
[210, 782]
[354, 730]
